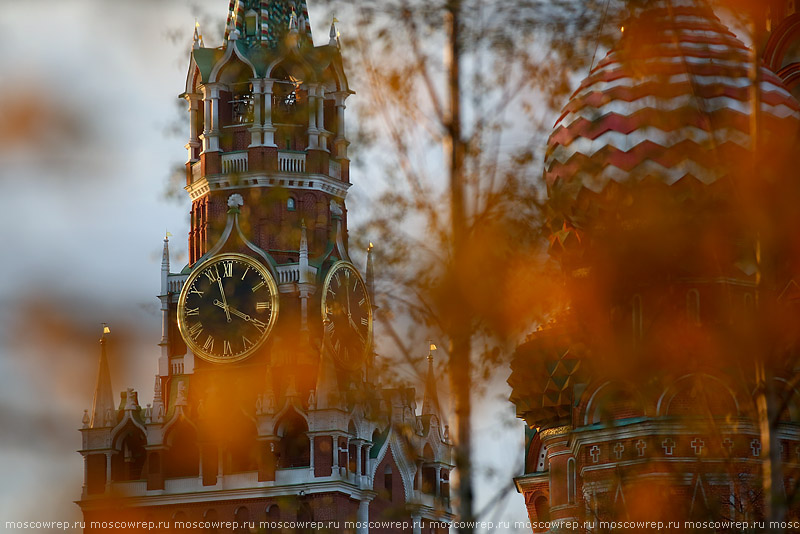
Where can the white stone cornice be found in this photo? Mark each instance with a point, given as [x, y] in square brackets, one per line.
[306, 182]
[526, 482]
[655, 427]
[135, 494]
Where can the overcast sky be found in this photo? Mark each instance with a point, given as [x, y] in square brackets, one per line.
[87, 144]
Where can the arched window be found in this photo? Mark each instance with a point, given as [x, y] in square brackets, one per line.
[295, 447]
[242, 517]
[127, 462]
[571, 481]
[693, 306]
[636, 316]
[210, 519]
[542, 507]
[291, 205]
[428, 471]
[242, 448]
[183, 456]
[304, 517]
[273, 513]
[250, 22]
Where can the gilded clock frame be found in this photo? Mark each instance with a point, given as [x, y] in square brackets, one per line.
[273, 288]
[343, 264]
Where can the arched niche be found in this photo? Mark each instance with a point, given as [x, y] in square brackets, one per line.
[428, 471]
[128, 460]
[294, 446]
[699, 395]
[541, 505]
[242, 517]
[613, 401]
[241, 446]
[182, 458]
[290, 106]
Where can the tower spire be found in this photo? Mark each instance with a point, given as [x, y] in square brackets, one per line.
[430, 402]
[370, 275]
[334, 33]
[103, 402]
[164, 296]
[197, 38]
[165, 263]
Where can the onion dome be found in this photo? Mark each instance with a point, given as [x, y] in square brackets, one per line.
[669, 103]
[543, 393]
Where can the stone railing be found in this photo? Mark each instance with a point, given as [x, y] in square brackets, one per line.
[234, 162]
[294, 475]
[288, 274]
[195, 171]
[247, 479]
[291, 161]
[177, 366]
[175, 282]
[335, 169]
[182, 485]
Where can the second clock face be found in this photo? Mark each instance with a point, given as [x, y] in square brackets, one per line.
[227, 308]
[347, 314]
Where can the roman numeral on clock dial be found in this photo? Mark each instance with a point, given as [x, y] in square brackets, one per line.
[212, 275]
[195, 330]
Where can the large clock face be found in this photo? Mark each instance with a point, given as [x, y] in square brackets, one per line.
[347, 315]
[227, 308]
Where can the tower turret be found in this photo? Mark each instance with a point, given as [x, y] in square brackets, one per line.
[103, 401]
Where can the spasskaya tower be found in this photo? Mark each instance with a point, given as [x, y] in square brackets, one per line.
[266, 407]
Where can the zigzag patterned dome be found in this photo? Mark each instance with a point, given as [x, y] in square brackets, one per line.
[669, 102]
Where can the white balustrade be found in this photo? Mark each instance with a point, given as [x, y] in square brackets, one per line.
[294, 475]
[291, 161]
[130, 488]
[248, 479]
[234, 162]
[195, 171]
[177, 367]
[182, 485]
[175, 282]
[335, 169]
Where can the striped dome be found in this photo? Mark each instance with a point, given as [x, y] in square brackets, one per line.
[670, 101]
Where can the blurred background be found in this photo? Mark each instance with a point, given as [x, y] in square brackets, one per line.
[90, 138]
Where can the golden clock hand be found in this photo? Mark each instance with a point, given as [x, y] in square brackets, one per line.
[239, 314]
[355, 328]
[224, 300]
[232, 310]
[347, 289]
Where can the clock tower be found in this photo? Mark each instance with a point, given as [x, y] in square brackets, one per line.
[266, 412]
